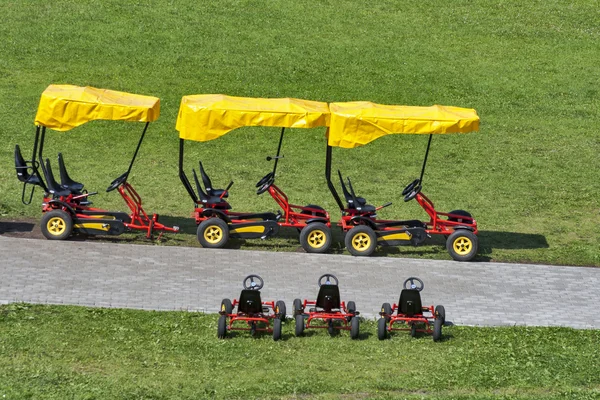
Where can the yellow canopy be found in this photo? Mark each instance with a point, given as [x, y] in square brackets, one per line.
[205, 117]
[64, 107]
[358, 123]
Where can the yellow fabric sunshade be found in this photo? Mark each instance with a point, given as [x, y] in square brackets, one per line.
[206, 117]
[358, 123]
[64, 107]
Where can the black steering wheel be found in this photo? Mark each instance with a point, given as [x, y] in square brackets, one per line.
[411, 190]
[117, 182]
[250, 284]
[328, 278]
[265, 182]
[412, 280]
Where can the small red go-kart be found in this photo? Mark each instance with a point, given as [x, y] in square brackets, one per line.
[257, 314]
[411, 314]
[327, 308]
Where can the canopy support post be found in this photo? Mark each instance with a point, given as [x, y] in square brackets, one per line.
[334, 192]
[137, 149]
[278, 150]
[425, 160]
[34, 163]
[183, 177]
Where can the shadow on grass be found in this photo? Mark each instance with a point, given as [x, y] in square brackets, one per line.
[16, 227]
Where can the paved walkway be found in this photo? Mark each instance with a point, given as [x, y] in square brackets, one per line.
[179, 278]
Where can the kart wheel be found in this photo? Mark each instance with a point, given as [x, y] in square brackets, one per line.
[330, 327]
[297, 307]
[56, 225]
[276, 329]
[351, 307]
[382, 328]
[253, 329]
[222, 327]
[280, 310]
[213, 233]
[354, 328]
[315, 237]
[299, 325]
[440, 313]
[226, 306]
[462, 245]
[437, 330]
[413, 330]
[361, 241]
[459, 212]
[386, 308]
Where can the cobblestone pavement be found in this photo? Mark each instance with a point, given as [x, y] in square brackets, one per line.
[196, 279]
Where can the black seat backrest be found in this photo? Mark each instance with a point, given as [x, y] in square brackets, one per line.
[347, 194]
[53, 186]
[357, 204]
[23, 169]
[328, 297]
[203, 196]
[205, 179]
[65, 179]
[410, 302]
[250, 302]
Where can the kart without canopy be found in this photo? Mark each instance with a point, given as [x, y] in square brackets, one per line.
[206, 117]
[358, 123]
[252, 313]
[410, 314]
[66, 206]
[334, 314]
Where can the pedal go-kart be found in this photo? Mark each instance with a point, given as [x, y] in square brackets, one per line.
[327, 309]
[358, 123]
[252, 313]
[66, 206]
[410, 314]
[207, 117]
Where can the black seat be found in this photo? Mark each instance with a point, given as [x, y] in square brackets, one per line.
[53, 187]
[208, 184]
[365, 208]
[65, 179]
[214, 201]
[410, 302]
[328, 297]
[250, 302]
[23, 169]
[349, 199]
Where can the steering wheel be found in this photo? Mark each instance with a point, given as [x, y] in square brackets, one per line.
[328, 278]
[412, 280]
[410, 187]
[264, 184]
[117, 182]
[249, 282]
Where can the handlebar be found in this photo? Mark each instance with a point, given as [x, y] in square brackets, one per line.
[269, 158]
[383, 206]
[226, 190]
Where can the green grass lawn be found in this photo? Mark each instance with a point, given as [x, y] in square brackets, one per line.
[530, 69]
[58, 352]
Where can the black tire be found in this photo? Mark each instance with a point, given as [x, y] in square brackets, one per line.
[316, 238]
[413, 330]
[330, 327]
[459, 212]
[462, 245]
[56, 225]
[297, 307]
[351, 307]
[440, 313]
[316, 214]
[280, 310]
[361, 241]
[222, 327]
[437, 330]
[253, 329]
[276, 329]
[299, 325]
[226, 306]
[354, 328]
[386, 308]
[382, 328]
[213, 233]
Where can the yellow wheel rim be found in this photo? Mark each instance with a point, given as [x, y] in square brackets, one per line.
[223, 307]
[316, 239]
[361, 241]
[462, 245]
[276, 310]
[56, 226]
[213, 234]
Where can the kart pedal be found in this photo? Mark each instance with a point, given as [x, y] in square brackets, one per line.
[278, 216]
[176, 228]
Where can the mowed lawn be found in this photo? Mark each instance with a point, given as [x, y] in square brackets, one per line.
[59, 352]
[530, 69]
